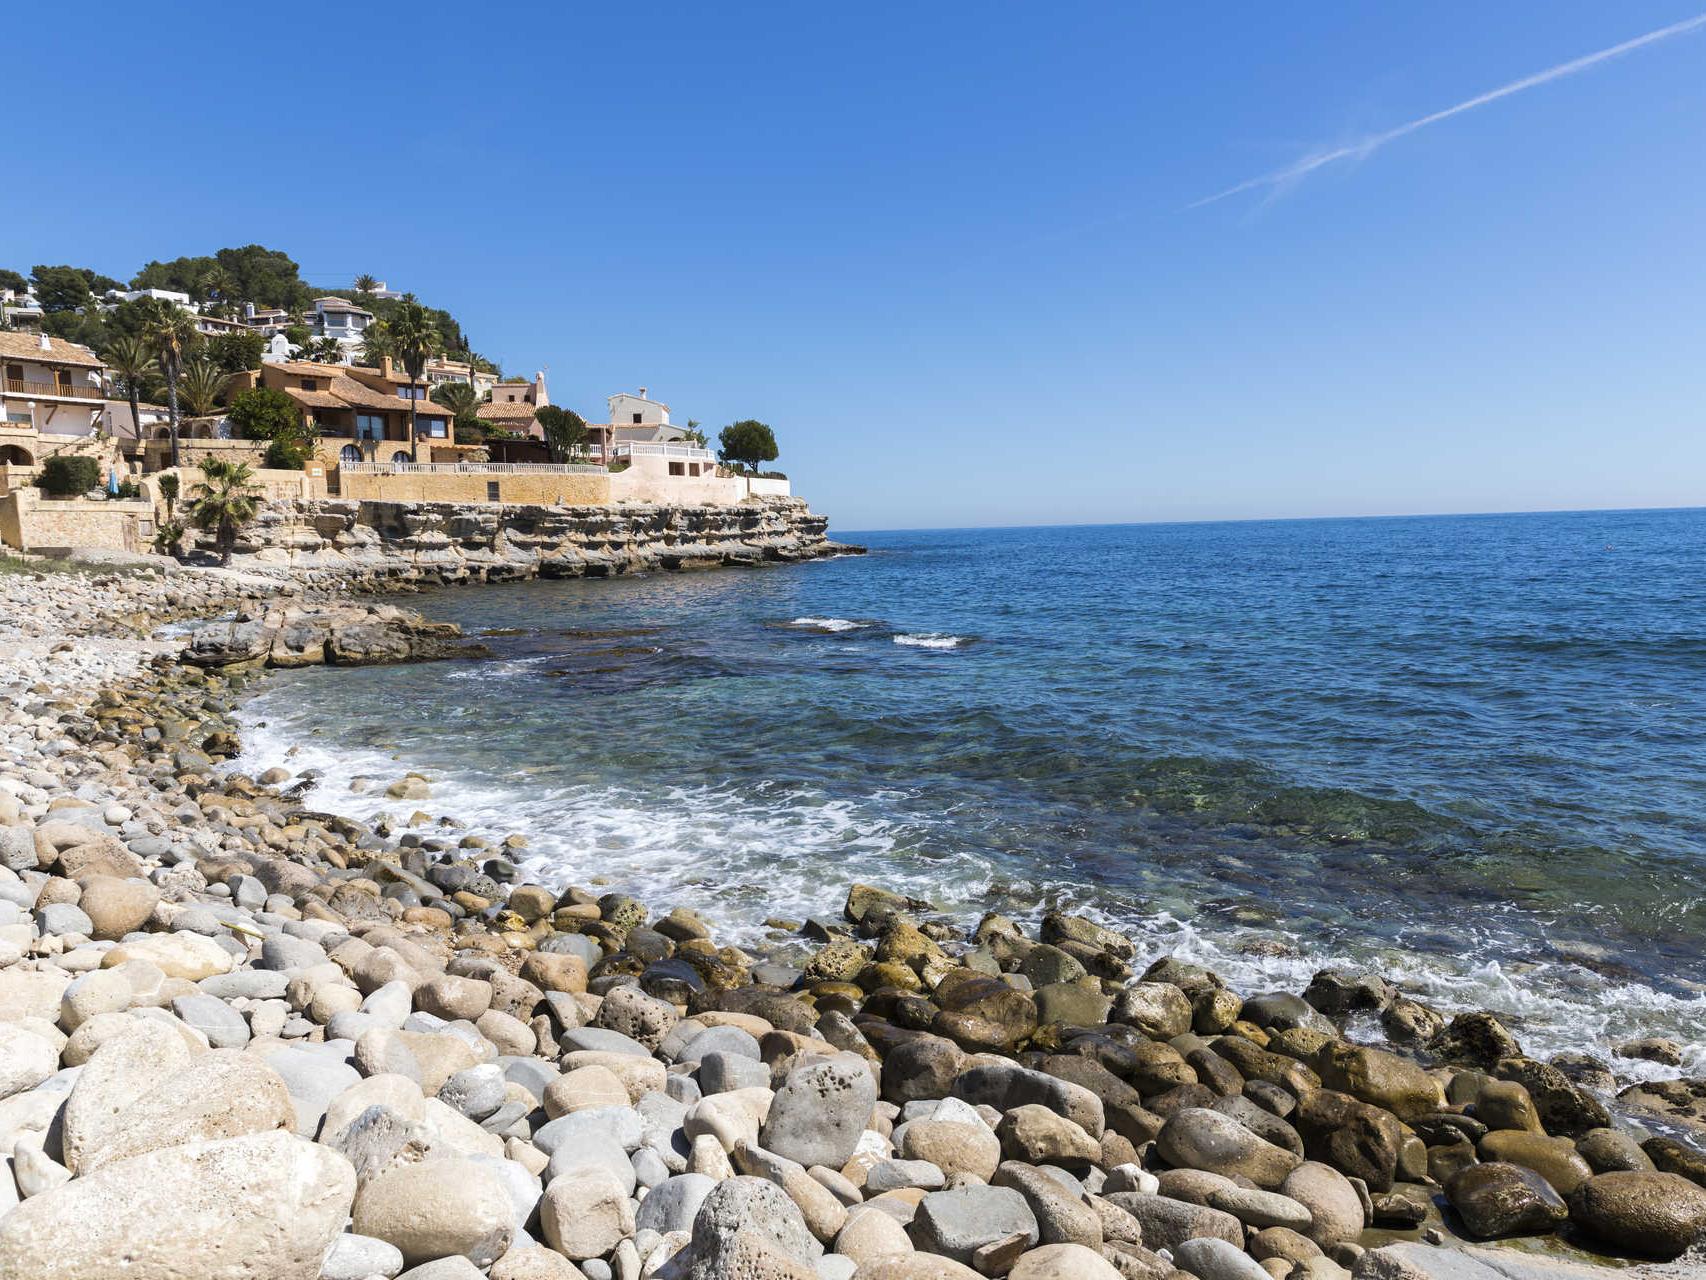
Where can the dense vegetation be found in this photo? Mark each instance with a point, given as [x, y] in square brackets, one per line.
[220, 284]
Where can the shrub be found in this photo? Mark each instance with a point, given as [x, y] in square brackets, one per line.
[64, 476]
[289, 453]
[261, 413]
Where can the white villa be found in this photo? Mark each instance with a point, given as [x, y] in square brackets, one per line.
[341, 319]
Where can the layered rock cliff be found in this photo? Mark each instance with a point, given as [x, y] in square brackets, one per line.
[453, 542]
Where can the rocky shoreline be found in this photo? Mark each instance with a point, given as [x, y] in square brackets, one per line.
[346, 540]
[239, 1038]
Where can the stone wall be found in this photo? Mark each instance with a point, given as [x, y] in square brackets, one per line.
[459, 542]
[30, 522]
[546, 489]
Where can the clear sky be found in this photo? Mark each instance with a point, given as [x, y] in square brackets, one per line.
[953, 253]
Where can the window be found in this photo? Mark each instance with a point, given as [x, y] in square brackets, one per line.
[676, 469]
[63, 378]
[435, 427]
[369, 426]
[492, 491]
[400, 456]
[349, 453]
[636, 417]
[14, 373]
[310, 384]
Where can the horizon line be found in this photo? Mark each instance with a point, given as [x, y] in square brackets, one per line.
[1387, 515]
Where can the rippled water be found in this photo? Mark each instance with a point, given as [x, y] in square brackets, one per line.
[1465, 750]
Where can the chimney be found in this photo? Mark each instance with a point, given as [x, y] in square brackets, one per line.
[46, 342]
[642, 393]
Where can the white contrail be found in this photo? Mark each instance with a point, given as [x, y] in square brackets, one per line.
[1374, 142]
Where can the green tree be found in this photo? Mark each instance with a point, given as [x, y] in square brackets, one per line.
[201, 384]
[168, 483]
[746, 443]
[225, 500]
[235, 352]
[266, 277]
[565, 431]
[460, 398]
[263, 413]
[415, 339]
[61, 289]
[375, 343]
[365, 283]
[298, 335]
[132, 364]
[14, 281]
[693, 435]
[171, 332]
[322, 351]
[181, 275]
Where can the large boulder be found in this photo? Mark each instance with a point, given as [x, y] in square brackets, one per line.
[1197, 1138]
[223, 1094]
[1656, 1214]
[1377, 1077]
[586, 1212]
[144, 1057]
[956, 1224]
[260, 1207]
[1498, 1199]
[820, 1111]
[438, 1209]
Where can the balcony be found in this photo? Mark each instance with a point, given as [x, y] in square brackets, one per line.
[52, 390]
[660, 449]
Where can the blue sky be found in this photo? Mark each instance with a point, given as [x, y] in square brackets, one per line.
[949, 251]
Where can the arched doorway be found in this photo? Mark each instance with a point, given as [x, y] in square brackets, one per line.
[401, 455]
[349, 453]
[15, 455]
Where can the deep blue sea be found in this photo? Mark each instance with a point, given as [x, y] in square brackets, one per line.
[1468, 751]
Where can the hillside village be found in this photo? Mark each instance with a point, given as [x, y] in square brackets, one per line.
[115, 399]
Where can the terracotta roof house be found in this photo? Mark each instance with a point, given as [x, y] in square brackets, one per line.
[514, 403]
[344, 407]
[49, 385]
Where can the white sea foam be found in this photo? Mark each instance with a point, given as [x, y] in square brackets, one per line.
[929, 640]
[745, 855]
[828, 624]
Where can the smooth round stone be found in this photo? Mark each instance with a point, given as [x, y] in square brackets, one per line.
[62, 918]
[354, 1257]
[223, 1026]
[476, 1092]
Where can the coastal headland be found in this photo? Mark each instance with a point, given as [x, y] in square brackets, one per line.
[243, 1038]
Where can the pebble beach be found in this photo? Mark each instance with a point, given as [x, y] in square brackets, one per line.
[240, 1037]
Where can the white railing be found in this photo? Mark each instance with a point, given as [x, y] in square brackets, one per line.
[657, 449]
[471, 468]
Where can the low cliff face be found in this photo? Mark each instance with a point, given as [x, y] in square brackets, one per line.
[453, 542]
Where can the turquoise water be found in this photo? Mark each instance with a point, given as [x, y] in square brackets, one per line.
[1466, 750]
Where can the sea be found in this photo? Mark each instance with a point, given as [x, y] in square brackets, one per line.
[1467, 752]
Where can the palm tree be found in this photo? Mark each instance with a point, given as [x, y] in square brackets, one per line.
[459, 398]
[171, 332]
[365, 283]
[414, 340]
[375, 343]
[131, 363]
[200, 385]
[226, 499]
